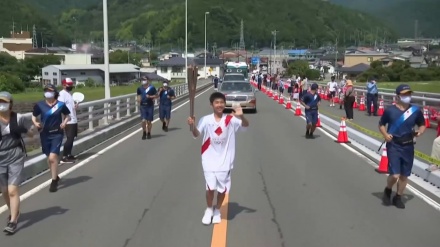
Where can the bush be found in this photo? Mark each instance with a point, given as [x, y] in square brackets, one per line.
[11, 83]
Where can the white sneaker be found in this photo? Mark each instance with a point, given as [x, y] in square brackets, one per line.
[217, 217]
[207, 217]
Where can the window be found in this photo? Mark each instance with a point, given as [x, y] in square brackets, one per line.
[82, 73]
[46, 73]
[370, 59]
[55, 81]
[63, 73]
[176, 69]
[164, 69]
[55, 73]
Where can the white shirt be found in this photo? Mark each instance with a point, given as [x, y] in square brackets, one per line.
[67, 98]
[218, 146]
[332, 86]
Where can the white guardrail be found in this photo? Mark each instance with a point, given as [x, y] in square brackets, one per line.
[369, 146]
[422, 99]
[99, 113]
[101, 120]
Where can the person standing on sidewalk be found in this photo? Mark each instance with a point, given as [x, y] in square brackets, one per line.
[372, 96]
[397, 127]
[146, 94]
[349, 99]
[51, 129]
[71, 129]
[12, 156]
[166, 96]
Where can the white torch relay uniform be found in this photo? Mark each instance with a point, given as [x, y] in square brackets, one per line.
[218, 150]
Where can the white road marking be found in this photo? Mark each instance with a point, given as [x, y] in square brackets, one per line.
[33, 191]
[415, 191]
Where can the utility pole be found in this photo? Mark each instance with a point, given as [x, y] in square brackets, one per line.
[336, 57]
[274, 33]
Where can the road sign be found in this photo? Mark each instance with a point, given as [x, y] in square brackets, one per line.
[255, 60]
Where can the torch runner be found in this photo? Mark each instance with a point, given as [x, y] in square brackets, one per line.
[192, 84]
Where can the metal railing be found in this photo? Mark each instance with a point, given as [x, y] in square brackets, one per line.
[422, 99]
[369, 146]
[100, 113]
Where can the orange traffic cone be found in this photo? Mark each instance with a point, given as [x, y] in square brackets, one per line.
[394, 100]
[318, 123]
[275, 96]
[425, 115]
[381, 108]
[362, 105]
[355, 104]
[343, 135]
[383, 164]
[298, 110]
[281, 100]
[288, 104]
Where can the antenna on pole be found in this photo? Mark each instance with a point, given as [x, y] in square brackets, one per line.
[34, 37]
[242, 44]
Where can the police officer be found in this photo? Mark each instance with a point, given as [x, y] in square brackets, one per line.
[399, 134]
[51, 129]
[372, 96]
[310, 101]
[12, 156]
[146, 94]
[166, 95]
[215, 82]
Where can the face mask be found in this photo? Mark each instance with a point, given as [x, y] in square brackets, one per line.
[4, 107]
[144, 82]
[405, 99]
[165, 84]
[49, 95]
[69, 88]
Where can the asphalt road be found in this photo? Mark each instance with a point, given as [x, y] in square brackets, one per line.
[424, 143]
[286, 191]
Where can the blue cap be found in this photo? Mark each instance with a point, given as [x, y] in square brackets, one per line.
[403, 88]
[314, 86]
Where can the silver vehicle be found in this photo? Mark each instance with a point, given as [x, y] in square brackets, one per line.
[239, 92]
[234, 77]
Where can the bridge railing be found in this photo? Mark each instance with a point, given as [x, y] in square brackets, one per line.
[368, 145]
[100, 113]
[429, 100]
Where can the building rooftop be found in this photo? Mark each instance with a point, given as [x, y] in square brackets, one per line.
[114, 68]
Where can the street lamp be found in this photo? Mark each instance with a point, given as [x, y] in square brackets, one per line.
[106, 57]
[204, 68]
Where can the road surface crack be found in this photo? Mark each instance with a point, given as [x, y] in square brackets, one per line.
[144, 213]
[272, 207]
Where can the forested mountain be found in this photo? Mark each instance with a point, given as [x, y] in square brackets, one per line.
[23, 16]
[401, 14]
[300, 22]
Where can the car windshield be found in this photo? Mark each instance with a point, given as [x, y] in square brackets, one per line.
[241, 87]
[233, 77]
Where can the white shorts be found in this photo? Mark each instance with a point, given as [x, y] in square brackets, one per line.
[220, 181]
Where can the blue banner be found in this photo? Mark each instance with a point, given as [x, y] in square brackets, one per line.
[255, 60]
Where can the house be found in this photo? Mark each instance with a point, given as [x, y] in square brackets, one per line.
[174, 68]
[119, 73]
[68, 56]
[353, 71]
[356, 57]
[16, 44]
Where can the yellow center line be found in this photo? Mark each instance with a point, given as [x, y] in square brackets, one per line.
[220, 231]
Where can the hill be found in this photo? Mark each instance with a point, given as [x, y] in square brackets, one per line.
[401, 14]
[300, 22]
[23, 17]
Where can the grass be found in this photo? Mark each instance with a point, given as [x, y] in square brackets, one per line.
[90, 93]
[421, 86]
